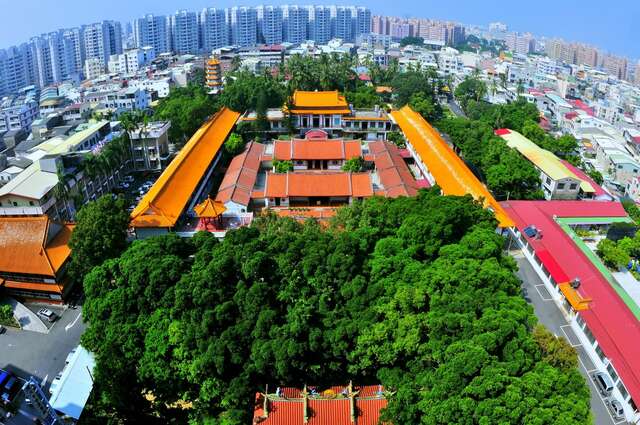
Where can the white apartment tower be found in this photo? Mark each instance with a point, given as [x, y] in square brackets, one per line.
[270, 24]
[244, 26]
[102, 40]
[296, 21]
[213, 29]
[152, 30]
[184, 32]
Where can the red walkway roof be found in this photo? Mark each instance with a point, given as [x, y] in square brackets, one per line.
[609, 319]
[241, 176]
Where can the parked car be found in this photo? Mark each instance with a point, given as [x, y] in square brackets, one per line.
[615, 407]
[2, 329]
[603, 383]
[47, 314]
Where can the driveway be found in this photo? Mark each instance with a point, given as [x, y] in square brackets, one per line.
[550, 315]
[41, 355]
[456, 109]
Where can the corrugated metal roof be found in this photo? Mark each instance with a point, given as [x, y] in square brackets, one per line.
[546, 161]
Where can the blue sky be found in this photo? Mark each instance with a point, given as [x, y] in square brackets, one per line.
[611, 25]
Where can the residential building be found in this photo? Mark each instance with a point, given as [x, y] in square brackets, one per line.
[520, 43]
[320, 24]
[362, 21]
[102, 40]
[150, 146]
[615, 65]
[127, 99]
[213, 29]
[343, 23]
[33, 256]
[93, 68]
[243, 22]
[17, 113]
[295, 23]
[335, 405]
[129, 62]
[557, 180]
[270, 24]
[152, 30]
[184, 32]
[13, 72]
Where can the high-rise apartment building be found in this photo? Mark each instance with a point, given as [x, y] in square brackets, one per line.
[362, 21]
[637, 74]
[213, 29]
[380, 25]
[295, 23]
[270, 24]
[152, 30]
[74, 49]
[615, 65]
[343, 25]
[184, 32]
[13, 72]
[244, 26]
[320, 24]
[586, 55]
[520, 43]
[102, 40]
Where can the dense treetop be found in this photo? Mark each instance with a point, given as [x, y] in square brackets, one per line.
[414, 293]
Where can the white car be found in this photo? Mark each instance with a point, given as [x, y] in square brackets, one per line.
[47, 314]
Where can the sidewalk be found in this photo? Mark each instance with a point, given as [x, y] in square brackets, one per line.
[29, 321]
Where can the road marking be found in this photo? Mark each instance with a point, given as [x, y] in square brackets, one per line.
[542, 296]
[44, 380]
[70, 325]
[569, 339]
[591, 380]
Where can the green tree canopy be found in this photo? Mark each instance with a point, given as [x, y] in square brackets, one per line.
[414, 293]
[100, 233]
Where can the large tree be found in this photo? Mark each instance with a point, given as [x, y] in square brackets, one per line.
[414, 293]
[100, 233]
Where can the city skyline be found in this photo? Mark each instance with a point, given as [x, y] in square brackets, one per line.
[547, 20]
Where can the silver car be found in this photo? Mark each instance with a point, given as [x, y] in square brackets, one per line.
[47, 314]
[615, 407]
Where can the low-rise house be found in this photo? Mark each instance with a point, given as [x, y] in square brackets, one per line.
[150, 145]
[557, 181]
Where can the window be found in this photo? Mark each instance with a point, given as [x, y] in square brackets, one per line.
[580, 320]
[573, 186]
[600, 353]
[612, 372]
[560, 186]
[15, 204]
[548, 180]
[31, 203]
[590, 337]
[623, 390]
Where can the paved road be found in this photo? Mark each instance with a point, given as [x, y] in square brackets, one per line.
[41, 355]
[550, 315]
[456, 109]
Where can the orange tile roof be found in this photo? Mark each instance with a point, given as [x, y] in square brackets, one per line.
[318, 184]
[319, 102]
[30, 245]
[449, 171]
[316, 149]
[32, 286]
[395, 177]
[167, 198]
[320, 213]
[241, 176]
[209, 208]
[330, 407]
